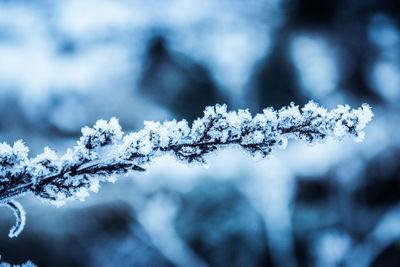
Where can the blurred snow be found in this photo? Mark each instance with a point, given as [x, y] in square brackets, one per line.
[331, 247]
[383, 32]
[386, 79]
[385, 76]
[79, 47]
[315, 62]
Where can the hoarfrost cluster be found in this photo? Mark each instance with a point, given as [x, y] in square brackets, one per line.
[26, 264]
[104, 151]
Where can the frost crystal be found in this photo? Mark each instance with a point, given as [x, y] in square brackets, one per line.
[104, 152]
[26, 264]
[20, 216]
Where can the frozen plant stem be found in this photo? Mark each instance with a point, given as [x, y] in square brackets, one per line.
[104, 151]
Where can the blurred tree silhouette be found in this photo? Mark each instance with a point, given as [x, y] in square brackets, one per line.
[177, 82]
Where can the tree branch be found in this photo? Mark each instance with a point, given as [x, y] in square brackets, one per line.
[104, 151]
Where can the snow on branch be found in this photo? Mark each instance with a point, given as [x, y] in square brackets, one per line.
[19, 213]
[104, 151]
[26, 264]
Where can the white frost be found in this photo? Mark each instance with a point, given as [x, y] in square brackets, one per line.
[104, 152]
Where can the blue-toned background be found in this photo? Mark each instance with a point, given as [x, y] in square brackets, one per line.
[65, 64]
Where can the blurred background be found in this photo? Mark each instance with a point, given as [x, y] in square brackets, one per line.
[66, 64]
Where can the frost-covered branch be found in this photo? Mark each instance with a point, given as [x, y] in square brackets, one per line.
[19, 213]
[104, 151]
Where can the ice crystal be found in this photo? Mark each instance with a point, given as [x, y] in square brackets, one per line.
[104, 151]
[26, 264]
